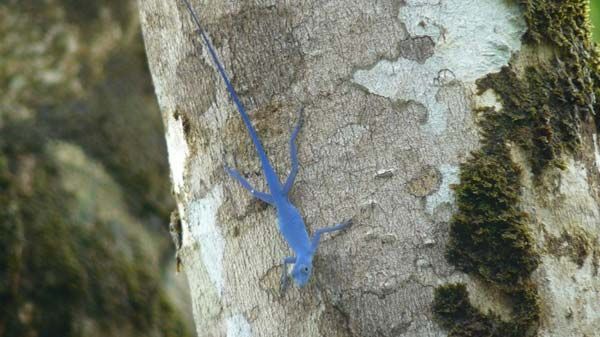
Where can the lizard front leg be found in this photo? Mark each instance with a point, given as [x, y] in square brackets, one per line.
[317, 236]
[289, 182]
[284, 282]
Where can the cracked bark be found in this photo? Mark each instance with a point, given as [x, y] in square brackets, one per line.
[382, 92]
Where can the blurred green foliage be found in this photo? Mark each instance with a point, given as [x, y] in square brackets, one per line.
[84, 182]
[595, 18]
[64, 274]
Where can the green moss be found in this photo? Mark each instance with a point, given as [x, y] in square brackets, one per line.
[454, 311]
[565, 26]
[544, 101]
[488, 234]
[543, 105]
[560, 23]
[575, 245]
[539, 113]
[489, 239]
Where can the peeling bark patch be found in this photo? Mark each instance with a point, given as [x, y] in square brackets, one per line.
[384, 173]
[205, 230]
[417, 49]
[204, 86]
[476, 48]
[391, 79]
[444, 194]
[178, 150]
[415, 109]
[469, 52]
[186, 124]
[238, 326]
[426, 183]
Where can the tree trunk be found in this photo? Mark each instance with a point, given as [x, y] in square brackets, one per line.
[397, 95]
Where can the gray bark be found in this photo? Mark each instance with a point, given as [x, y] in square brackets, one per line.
[388, 90]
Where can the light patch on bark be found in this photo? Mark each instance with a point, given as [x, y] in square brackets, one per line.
[488, 299]
[178, 151]
[444, 194]
[573, 206]
[464, 52]
[238, 326]
[568, 292]
[574, 186]
[488, 99]
[570, 297]
[596, 152]
[204, 230]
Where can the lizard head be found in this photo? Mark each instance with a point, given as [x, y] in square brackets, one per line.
[302, 270]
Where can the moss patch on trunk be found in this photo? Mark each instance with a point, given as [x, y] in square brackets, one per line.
[543, 106]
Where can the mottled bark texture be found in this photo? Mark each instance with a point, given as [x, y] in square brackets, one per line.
[397, 95]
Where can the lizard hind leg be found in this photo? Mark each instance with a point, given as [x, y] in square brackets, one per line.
[294, 153]
[245, 184]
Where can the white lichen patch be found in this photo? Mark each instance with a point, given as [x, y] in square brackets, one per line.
[491, 32]
[178, 151]
[204, 230]
[238, 326]
[444, 194]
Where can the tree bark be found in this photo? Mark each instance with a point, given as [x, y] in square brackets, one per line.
[391, 111]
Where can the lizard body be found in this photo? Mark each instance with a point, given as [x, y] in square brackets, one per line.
[290, 220]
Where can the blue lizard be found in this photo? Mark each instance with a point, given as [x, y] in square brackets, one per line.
[290, 221]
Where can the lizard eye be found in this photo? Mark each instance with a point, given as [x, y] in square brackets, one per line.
[305, 269]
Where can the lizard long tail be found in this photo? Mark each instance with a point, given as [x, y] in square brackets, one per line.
[266, 165]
